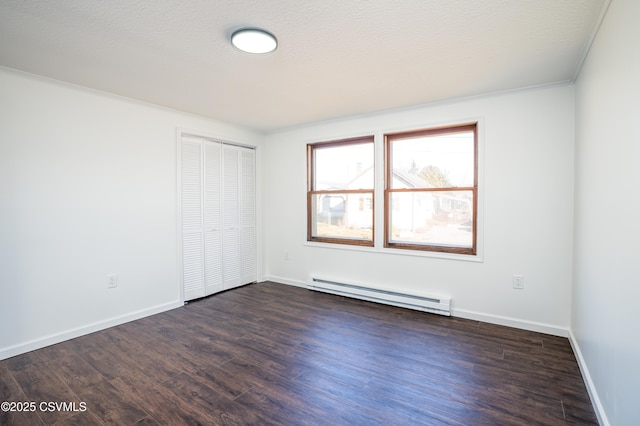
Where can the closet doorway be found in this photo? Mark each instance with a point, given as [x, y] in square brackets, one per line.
[217, 215]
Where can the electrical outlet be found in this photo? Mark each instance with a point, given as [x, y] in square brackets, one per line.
[112, 280]
[286, 255]
[518, 282]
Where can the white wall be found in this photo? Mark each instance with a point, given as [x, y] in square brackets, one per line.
[606, 318]
[87, 188]
[527, 154]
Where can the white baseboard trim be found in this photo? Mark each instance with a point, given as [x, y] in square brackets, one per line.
[586, 376]
[463, 313]
[52, 339]
[512, 322]
[281, 280]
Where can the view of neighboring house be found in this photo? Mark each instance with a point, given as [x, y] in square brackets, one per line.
[416, 215]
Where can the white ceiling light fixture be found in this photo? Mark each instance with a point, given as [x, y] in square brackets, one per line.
[254, 40]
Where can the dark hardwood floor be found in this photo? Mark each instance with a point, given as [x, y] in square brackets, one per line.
[274, 354]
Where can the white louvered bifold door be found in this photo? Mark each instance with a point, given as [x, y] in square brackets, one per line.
[213, 217]
[191, 218]
[248, 248]
[230, 215]
[217, 216]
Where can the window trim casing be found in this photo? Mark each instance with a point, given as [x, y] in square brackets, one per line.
[388, 190]
[311, 191]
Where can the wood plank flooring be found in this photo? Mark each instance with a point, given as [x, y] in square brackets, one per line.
[279, 355]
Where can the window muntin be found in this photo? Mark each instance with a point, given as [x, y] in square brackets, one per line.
[431, 189]
[340, 191]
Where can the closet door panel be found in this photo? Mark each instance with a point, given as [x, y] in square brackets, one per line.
[230, 216]
[213, 268]
[191, 214]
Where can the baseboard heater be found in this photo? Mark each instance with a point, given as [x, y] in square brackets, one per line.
[434, 304]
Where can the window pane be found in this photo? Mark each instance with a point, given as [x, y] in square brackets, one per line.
[344, 167]
[340, 215]
[441, 218]
[438, 161]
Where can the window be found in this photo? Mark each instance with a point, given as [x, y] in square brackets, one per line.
[431, 189]
[340, 191]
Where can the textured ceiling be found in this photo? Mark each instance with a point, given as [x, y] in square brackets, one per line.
[335, 58]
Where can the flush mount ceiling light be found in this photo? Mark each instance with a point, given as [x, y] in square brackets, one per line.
[254, 40]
